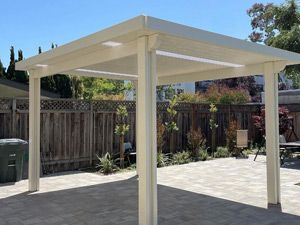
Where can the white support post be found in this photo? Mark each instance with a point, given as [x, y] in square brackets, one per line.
[34, 132]
[135, 83]
[146, 141]
[272, 133]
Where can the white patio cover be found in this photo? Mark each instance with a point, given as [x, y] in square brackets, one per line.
[152, 52]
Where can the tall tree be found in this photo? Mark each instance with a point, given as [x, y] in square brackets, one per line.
[11, 73]
[2, 69]
[94, 88]
[21, 76]
[278, 26]
[47, 83]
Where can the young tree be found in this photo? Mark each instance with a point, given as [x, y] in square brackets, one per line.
[11, 73]
[21, 76]
[278, 26]
[121, 129]
[171, 125]
[213, 126]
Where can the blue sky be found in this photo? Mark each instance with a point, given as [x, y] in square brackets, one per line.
[27, 24]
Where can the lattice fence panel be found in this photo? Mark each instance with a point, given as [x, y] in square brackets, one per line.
[5, 104]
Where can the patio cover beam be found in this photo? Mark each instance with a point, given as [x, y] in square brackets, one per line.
[84, 60]
[231, 72]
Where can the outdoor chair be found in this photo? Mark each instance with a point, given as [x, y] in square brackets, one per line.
[284, 147]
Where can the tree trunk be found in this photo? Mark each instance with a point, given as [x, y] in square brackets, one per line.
[213, 141]
[121, 152]
[172, 144]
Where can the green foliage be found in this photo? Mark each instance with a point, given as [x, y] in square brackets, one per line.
[98, 88]
[191, 98]
[220, 94]
[11, 72]
[222, 152]
[171, 125]
[181, 158]
[196, 141]
[162, 159]
[212, 121]
[21, 76]
[122, 127]
[77, 87]
[106, 164]
[63, 85]
[165, 92]
[213, 126]
[278, 26]
[202, 154]
[2, 70]
[247, 152]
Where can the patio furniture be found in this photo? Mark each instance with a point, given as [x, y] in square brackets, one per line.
[284, 147]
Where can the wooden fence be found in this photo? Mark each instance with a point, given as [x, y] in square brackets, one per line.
[73, 132]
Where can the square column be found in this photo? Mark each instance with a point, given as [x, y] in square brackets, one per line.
[34, 132]
[272, 133]
[135, 83]
[146, 136]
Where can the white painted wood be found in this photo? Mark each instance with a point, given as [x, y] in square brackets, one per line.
[135, 83]
[130, 26]
[145, 25]
[212, 74]
[147, 133]
[97, 75]
[92, 58]
[34, 133]
[272, 133]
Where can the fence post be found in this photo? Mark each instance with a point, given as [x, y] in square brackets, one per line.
[13, 121]
[91, 144]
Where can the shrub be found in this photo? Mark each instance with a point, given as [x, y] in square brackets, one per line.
[230, 133]
[284, 122]
[222, 152]
[106, 164]
[181, 158]
[162, 160]
[196, 141]
[202, 154]
[225, 95]
[191, 98]
[121, 129]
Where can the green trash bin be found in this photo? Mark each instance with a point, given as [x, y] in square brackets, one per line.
[11, 159]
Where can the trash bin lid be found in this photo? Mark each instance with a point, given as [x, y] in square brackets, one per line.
[12, 141]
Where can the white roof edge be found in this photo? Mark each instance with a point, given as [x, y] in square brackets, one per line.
[152, 24]
[196, 34]
[131, 25]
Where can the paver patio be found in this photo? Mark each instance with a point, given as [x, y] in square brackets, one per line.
[223, 191]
